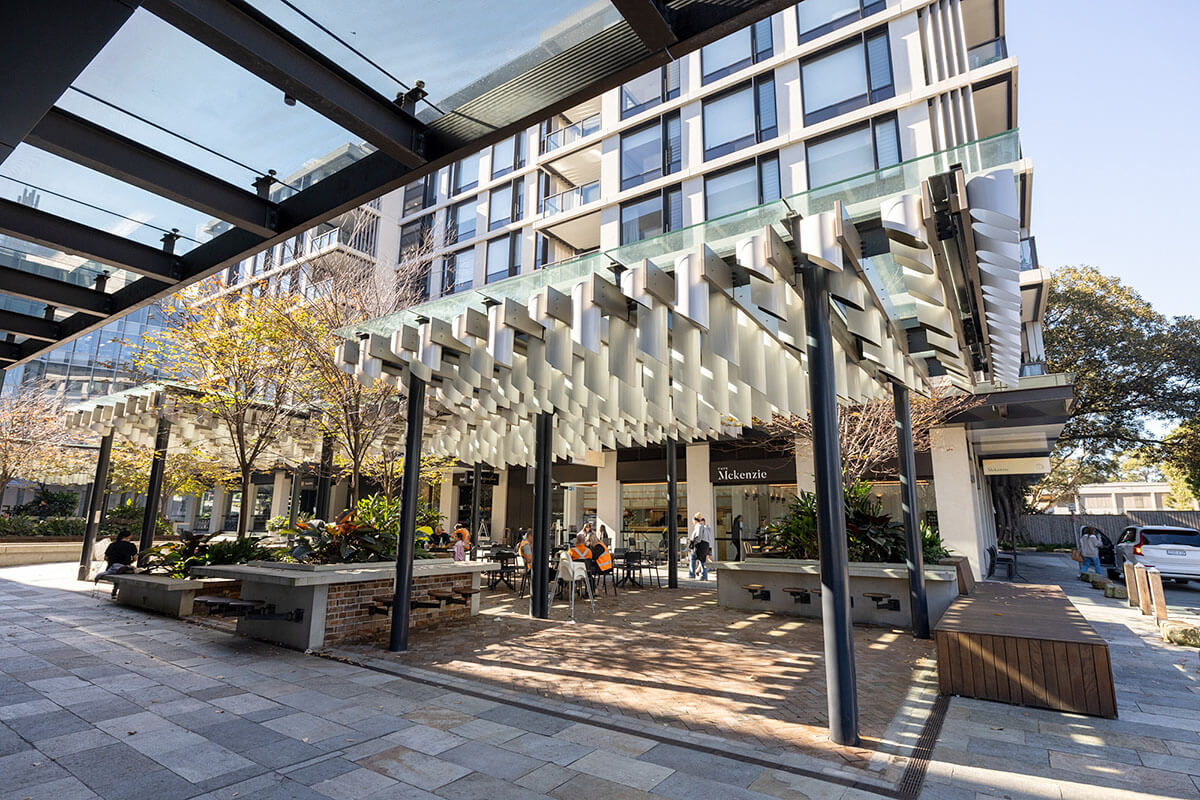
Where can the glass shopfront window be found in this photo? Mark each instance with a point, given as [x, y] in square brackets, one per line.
[644, 515]
[758, 505]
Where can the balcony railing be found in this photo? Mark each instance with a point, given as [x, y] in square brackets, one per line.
[571, 199]
[983, 54]
[572, 133]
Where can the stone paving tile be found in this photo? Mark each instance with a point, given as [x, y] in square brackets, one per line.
[551, 776]
[547, 748]
[307, 727]
[68, 788]
[438, 717]
[36, 727]
[583, 785]
[623, 770]
[532, 721]
[702, 765]
[683, 786]
[484, 730]
[605, 739]
[430, 741]
[414, 768]
[478, 786]
[354, 785]
[323, 770]
[491, 760]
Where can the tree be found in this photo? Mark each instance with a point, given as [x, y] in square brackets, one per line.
[244, 366]
[33, 438]
[352, 290]
[1182, 456]
[386, 469]
[187, 471]
[867, 432]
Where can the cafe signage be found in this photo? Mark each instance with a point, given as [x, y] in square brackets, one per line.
[775, 470]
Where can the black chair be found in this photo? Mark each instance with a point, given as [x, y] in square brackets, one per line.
[633, 564]
[602, 579]
[652, 563]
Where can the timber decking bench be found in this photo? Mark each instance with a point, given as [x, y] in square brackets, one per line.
[1024, 644]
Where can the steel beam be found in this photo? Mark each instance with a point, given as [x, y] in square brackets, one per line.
[45, 330]
[59, 233]
[406, 541]
[648, 21]
[672, 516]
[95, 506]
[40, 289]
[915, 561]
[259, 44]
[475, 504]
[44, 46]
[836, 622]
[158, 465]
[325, 478]
[74, 138]
[539, 577]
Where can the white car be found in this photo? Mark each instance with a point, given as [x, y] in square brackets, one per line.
[1175, 552]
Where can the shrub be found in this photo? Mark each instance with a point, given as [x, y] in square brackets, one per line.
[178, 558]
[366, 533]
[62, 526]
[127, 517]
[46, 503]
[18, 526]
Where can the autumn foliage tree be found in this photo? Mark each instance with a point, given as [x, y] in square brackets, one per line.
[187, 471]
[33, 438]
[245, 365]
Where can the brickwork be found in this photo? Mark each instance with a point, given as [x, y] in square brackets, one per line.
[347, 615]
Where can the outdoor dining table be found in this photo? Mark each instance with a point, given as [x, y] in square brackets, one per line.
[631, 567]
[506, 569]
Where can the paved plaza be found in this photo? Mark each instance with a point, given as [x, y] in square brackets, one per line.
[98, 700]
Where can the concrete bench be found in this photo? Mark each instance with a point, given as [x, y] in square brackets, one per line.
[171, 596]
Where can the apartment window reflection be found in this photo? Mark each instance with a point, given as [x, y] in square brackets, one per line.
[652, 215]
[458, 271]
[741, 187]
[506, 204]
[819, 17]
[504, 257]
[460, 221]
[649, 90]
[464, 175]
[736, 51]
[849, 77]
[508, 155]
[740, 117]
[418, 195]
[651, 151]
[859, 150]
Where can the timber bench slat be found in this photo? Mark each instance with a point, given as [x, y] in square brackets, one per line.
[1025, 645]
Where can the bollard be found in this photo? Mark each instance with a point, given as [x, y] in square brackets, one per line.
[1154, 578]
[1131, 584]
[1143, 589]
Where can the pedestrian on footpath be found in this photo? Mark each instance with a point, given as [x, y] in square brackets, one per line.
[700, 542]
[1089, 548]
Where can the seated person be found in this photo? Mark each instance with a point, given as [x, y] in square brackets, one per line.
[461, 540]
[120, 556]
[600, 553]
[580, 551]
[440, 538]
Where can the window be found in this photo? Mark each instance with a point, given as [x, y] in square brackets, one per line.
[740, 118]
[460, 221]
[464, 174]
[506, 204]
[458, 271]
[504, 257]
[651, 152]
[860, 150]
[847, 78]
[652, 215]
[649, 90]
[414, 235]
[736, 51]
[819, 17]
[508, 155]
[742, 187]
[418, 195]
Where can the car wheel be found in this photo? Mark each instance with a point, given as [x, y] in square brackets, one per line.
[1113, 574]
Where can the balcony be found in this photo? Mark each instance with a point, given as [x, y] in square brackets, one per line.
[983, 54]
[571, 199]
[1029, 259]
[571, 133]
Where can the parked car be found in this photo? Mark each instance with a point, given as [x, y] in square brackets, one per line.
[1174, 551]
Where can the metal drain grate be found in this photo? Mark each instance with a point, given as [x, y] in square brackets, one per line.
[914, 774]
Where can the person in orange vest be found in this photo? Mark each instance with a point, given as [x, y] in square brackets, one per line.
[462, 539]
[580, 551]
[525, 548]
[600, 553]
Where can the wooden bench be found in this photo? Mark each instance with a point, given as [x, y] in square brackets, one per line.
[757, 592]
[1027, 645]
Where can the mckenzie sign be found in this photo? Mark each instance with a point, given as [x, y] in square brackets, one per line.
[781, 470]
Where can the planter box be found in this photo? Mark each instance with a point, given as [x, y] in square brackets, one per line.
[47, 551]
[778, 574]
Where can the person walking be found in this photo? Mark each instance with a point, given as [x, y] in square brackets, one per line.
[735, 531]
[1089, 548]
[700, 542]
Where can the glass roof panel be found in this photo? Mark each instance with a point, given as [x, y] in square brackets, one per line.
[151, 74]
[439, 43]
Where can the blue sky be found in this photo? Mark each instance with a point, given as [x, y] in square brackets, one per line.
[1109, 106]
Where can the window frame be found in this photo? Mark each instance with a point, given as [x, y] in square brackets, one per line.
[450, 266]
[668, 75]
[870, 126]
[757, 52]
[513, 267]
[755, 164]
[866, 8]
[456, 173]
[869, 95]
[666, 166]
[760, 135]
[453, 234]
[664, 196]
[516, 203]
[518, 161]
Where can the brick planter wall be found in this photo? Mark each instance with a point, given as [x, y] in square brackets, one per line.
[346, 611]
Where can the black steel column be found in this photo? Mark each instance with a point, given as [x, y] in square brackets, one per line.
[918, 603]
[406, 540]
[294, 499]
[95, 506]
[672, 516]
[325, 474]
[162, 438]
[475, 489]
[539, 578]
[831, 513]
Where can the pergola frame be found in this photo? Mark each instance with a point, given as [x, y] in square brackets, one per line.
[650, 35]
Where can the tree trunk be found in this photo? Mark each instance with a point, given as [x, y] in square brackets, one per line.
[247, 505]
[1008, 497]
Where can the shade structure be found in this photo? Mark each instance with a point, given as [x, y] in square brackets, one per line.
[689, 342]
